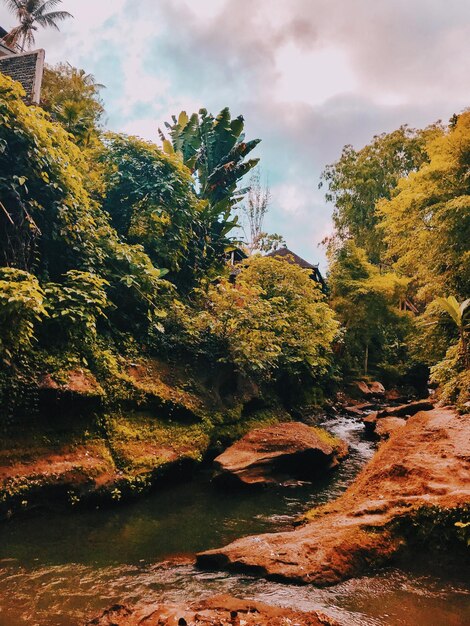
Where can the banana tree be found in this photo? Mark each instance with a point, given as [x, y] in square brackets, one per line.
[458, 312]
[215, 150]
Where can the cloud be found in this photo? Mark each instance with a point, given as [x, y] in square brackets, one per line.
[308, 75]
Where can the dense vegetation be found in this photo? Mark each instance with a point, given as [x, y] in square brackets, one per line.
[400, 258]
[114, 248]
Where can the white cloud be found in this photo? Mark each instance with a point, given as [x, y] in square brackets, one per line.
[312, 76]
[291, 198]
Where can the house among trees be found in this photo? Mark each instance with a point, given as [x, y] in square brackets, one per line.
[291, 257]
[25, 67]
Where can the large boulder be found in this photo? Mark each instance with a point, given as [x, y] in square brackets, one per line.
[415, 491]
[222, 610]
[366, 390]
[279, 454]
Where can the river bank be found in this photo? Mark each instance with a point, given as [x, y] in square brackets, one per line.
[61, 569]
[416, 490]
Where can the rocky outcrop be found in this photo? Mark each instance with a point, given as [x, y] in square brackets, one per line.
[220, 610]
[85, 439]
[363, 389]
[132, 452]
[384, 427]
[358, 409]
[279, 454]
[424, 467]
[382, 423]
[406, 410]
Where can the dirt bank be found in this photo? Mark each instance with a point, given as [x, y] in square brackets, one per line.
[79, 447]
[421, 473]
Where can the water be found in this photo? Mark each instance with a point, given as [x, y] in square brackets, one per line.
[60, 568]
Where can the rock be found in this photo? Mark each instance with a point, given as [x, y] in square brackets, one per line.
[222, 610]
[370, 422]
[361, 389]
[358, 409]
[376, 389]
[72, 467]
[394, 395]
[276, 454]
[406, 409]
[424, 465]
[79, 382]
[383, 422]
[387, 425]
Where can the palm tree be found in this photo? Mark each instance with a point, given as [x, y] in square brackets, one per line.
[31, 13]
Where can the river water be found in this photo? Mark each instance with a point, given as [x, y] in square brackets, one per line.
[60, 568]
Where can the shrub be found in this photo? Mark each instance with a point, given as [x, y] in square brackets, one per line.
[21, 305]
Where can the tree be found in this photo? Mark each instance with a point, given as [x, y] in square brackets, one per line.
[360, 178]
[254, 211]
[150, 198]
[426, 224]
[214, 149]
[367, 304]
[72, 97]
[29, 13]
[273, 320]
[452, 373]
[49, 223]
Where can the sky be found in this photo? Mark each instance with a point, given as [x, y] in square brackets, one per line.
[309, 76]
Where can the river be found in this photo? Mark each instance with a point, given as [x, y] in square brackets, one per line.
[59, 568]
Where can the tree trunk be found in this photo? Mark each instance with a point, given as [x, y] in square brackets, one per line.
[366, 359]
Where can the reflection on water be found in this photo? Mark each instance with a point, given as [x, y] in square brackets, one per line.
[62, 595]
[57, 569]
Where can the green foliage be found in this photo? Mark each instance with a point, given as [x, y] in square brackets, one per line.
[403, 199]
[362, 177]
[76, 304]
[452, 374]
[214, 149]
[49, 221]
[458, 313]
[427, 223]
[150, 199]
[273, 318]
[367, 303]
[72, 97]
[21, 306]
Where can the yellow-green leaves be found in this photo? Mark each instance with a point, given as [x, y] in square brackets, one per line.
[21, 307]
[426, 224]
[273, 317]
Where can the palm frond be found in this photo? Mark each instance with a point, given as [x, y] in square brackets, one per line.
[13, 5]
[450, 306]
[51, 19]
[48, 4]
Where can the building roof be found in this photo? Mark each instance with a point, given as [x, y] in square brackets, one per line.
[296, 259]
[4, 49]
